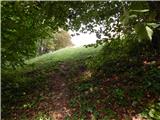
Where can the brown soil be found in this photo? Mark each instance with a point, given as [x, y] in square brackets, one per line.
[59, 99]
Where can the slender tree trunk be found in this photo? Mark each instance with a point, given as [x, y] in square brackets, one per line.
[40, 49]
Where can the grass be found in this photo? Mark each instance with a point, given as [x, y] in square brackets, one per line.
[66, 54]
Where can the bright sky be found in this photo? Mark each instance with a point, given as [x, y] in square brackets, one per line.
[83, 39]
[86, 38]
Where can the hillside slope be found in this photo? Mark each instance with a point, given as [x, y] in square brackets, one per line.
[25, 89]
[60, 86]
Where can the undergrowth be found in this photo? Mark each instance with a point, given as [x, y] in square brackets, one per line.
[112, 83]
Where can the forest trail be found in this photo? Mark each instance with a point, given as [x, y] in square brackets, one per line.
[59, 96]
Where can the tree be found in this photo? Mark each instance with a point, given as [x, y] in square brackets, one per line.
[55, 41]
[21, 28]
[62, 39]
[143, 18]
[47, 44]
[23, 24]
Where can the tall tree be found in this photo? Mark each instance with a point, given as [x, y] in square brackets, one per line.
[62, 39]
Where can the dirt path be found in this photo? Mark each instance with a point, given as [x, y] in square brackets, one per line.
[58, 95]
[60, 98]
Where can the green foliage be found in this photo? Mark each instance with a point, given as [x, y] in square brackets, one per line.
[21, 28]
[136, 95]
[111, 52]
[118, 93]
[42, 116]
[20, 31]
[54, 41]
[62, 40]
[17, 87]
[84, 87]
[152, 80]
[143, 17]
[144, 32]
[23, 24]
[152, 112]
[45, 45]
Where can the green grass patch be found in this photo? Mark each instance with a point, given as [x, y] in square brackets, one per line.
[63, 55]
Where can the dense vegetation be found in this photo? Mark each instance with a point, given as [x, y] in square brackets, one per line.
[58, 40]
[116, 78]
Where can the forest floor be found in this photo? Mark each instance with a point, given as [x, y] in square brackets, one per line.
[59, 86]
[58, 97]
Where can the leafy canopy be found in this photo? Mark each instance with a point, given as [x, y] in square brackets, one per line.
[24, 23]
